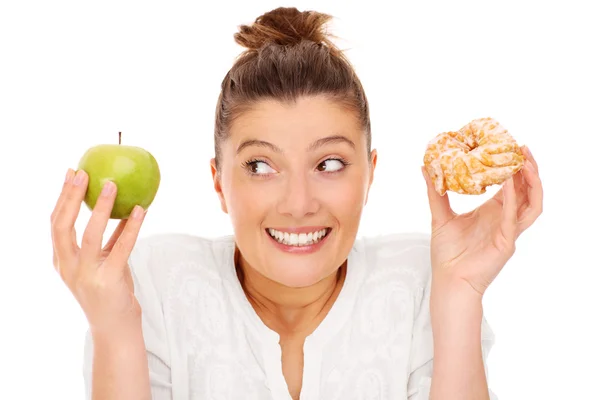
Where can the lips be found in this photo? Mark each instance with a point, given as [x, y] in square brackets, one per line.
[295, 241]
[299, 237]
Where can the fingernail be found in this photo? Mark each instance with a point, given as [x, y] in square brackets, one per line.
[528, 151]
[108, 189]
[137, 213]
[78, 177]
[69, 175]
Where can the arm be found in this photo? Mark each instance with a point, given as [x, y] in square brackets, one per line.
[134, 364]
[458, 368]
[451, 326]
[468, 251]
[120, 367]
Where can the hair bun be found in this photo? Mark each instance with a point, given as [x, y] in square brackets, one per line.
[284, 26]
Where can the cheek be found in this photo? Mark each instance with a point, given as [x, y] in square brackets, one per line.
[345, 197]
[247, 204]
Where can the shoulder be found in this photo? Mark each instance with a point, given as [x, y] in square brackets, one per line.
[158, 259]
[403, 256]
[179, 247]
[173, 244]
[398, 242]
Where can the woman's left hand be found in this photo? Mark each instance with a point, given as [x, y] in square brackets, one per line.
[474, 247]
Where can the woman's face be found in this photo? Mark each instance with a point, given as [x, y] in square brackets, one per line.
[294, 180]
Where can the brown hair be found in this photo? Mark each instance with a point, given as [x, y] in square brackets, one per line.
[288, 56]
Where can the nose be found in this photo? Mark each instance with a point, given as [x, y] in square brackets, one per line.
[298, 199]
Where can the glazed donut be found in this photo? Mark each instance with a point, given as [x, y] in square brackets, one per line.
[480, 154]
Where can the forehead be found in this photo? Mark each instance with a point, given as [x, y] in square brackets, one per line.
[305, 120]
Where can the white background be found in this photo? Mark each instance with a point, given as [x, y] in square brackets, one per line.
[73, 74]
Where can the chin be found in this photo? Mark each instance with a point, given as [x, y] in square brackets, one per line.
[296, 276]
[301, 264]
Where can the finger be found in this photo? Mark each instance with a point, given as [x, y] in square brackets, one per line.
[520, 188]
[508, 225]
[122, 248]
[63, 227]
[91, 242]
[59, 201]
[531, 159]
[520, 185]
[535, 197]
[115, 235]
[63, 192]
[441, 212]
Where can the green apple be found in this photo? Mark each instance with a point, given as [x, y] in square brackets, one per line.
[133, 169]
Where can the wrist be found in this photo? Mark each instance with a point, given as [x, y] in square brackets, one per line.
[455, 307]
[120, 365]
[125, 334]
[446, 288]
[455, 317]
[456, 329]
[124, 347]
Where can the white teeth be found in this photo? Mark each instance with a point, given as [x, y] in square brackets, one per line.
[302, 239]
[295, 239]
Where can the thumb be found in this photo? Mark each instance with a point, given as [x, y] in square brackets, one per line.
[441, 212]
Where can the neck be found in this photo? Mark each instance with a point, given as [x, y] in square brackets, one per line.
[291, 312]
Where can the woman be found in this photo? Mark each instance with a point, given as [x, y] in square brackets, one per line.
[293, 306]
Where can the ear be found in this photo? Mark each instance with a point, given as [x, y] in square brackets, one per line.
[371, 172]
[217, 184]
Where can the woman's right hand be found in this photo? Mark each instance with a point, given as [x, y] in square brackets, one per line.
[99, 277]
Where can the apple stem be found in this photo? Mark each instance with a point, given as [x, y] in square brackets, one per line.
[119, 137]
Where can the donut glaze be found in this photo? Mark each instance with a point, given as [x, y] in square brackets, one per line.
[480, 154]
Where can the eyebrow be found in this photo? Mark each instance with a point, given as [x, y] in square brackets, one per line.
[313, 146]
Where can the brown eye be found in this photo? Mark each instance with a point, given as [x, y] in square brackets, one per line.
[330, 165]
[259, 168]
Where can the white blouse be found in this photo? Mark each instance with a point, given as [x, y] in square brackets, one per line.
[205, 341]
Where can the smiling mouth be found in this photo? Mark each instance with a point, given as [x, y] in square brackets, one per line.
[299, 239]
